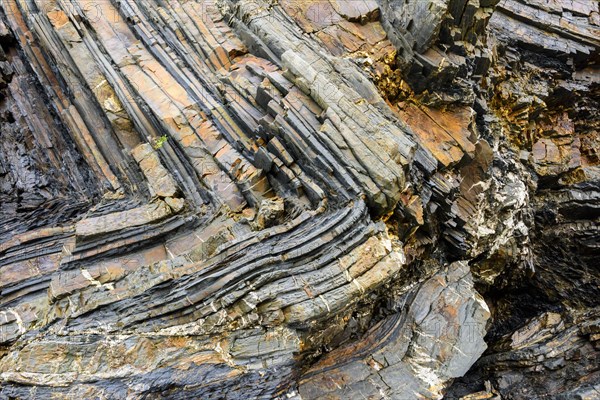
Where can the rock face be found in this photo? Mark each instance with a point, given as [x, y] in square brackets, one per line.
[435, 336]
[315, 199]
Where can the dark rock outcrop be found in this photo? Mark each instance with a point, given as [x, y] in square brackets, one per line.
[316, 199]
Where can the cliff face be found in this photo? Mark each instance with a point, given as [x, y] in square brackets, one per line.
[316, 199]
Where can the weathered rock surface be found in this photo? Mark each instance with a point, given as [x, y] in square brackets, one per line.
[316, 199]
[436, 336]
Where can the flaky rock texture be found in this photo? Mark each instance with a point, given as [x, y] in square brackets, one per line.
[318, 199]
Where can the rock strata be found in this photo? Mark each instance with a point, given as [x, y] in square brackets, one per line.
[315, 199]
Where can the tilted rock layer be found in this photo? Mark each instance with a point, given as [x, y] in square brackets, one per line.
[317, 199]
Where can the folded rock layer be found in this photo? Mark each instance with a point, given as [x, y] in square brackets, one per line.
[316, 199]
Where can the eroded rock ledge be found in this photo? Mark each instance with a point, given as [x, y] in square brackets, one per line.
[316, 199]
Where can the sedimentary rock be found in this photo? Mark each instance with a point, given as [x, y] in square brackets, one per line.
[299, 199]
[435, 337]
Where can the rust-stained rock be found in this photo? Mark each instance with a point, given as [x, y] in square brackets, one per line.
[447, 135]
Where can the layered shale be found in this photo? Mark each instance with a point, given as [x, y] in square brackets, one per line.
[320, 199]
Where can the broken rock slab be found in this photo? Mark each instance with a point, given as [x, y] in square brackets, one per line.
[160, 181]
[412, 354]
